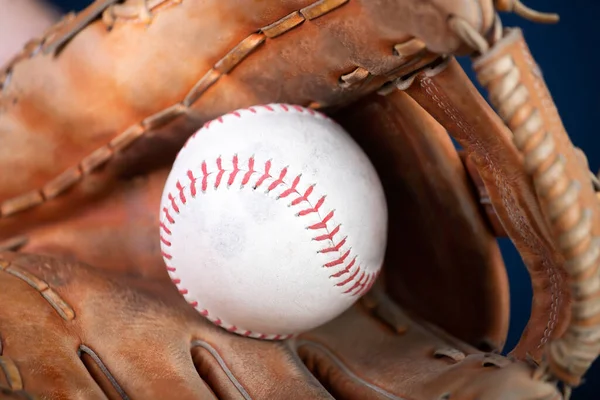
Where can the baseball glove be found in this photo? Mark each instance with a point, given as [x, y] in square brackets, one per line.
[93, 114]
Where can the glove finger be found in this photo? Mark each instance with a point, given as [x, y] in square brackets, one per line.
[155, 346]
[238, 367]
[120, 234]
[375, 351]
[36, 351]
[197, 357]
[141, 378]
[139, 339]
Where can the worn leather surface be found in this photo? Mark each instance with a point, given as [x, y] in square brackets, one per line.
[61, 107]
[116, 327]
[546, 149]
[90, 122]
[452, 99]
[102, 318]
[137, 338]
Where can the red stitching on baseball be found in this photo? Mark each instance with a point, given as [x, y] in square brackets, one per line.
[220, 174]
[360, 285]
[265, 176]
[313, 209]
[235, 171]
[181, 194]
[339, 260]
[369, 284]
[373, 278]
[165, 241]
[165, 229]
[279, 180]
[323, 223]
[356, 282]
[304, 197]
[364, 284]
[345, 270]
[251, 171]
[267, 107]
[204, 176]
[173, 204]
[350, 278]
[334, 248]
[168, 216]
[328, 236]
[193, 180]
[291, 190]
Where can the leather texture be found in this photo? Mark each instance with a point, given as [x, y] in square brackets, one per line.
[91, 118]
[488, 145]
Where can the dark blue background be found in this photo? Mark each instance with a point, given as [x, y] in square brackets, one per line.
[567, 53]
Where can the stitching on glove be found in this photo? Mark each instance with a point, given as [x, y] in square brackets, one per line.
[11, 372]
[555, 278]
[508, 201]
[213, 352]
[52, 297]
[141, 12]
[74, 175]
[356, 284]
[344, 369]
[96, 358]
[103, 155]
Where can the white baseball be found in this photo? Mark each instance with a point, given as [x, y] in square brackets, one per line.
[273, 221]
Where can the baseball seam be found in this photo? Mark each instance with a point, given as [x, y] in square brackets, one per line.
[357, 281]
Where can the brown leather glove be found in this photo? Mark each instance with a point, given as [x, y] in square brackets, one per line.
[116, 327]
[92, 115]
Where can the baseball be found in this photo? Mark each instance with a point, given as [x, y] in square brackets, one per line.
[273, 221]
